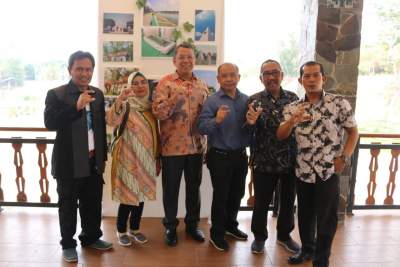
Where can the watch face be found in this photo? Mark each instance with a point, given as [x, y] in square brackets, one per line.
[345, 158]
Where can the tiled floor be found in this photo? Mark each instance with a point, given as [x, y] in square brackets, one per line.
[29, 237]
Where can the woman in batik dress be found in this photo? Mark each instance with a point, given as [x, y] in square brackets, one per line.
[135, 157]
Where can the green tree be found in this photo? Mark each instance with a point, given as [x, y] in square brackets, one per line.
[289, 56]
[12, 68]
[389, 14]
[52, 70]
[29, 72]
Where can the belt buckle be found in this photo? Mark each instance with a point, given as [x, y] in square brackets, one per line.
[220, 152]
[91, 154]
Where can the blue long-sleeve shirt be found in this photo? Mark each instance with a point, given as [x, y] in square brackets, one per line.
[230, 133]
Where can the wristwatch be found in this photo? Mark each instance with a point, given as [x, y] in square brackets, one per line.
[345, 158]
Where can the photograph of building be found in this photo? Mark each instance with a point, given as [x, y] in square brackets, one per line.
[119, 23]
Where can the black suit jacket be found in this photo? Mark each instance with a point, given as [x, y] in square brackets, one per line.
[71, 151]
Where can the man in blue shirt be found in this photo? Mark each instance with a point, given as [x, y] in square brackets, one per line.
[222, 119]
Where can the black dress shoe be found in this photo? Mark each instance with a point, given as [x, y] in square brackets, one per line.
[219, 244]
[196, 234]
[299, 257]
[236, 233]
[289, 244]
[171, 238]
[257, 247]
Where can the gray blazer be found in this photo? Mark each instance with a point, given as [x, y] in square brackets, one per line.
[70, 157]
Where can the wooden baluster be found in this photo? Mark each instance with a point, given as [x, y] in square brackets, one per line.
[373, 167]
[1, 191]
[43, 182]
[20, 180]
[393, 167]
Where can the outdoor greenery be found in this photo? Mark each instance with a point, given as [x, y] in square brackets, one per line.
[289, 56]
[384, 55]
[378, 86]
[140, 4]
[12, 68]
[378, 95]
[15, 70]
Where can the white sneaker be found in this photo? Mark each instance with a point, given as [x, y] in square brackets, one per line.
[123, 239]
[138, 237]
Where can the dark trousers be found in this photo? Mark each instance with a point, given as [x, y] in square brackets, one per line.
[228, 172]
[134, 213]
[172, 168]
[84, 194]
[318, 205]
[264, 187]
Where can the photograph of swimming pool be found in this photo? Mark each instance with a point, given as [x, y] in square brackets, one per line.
[157, 42]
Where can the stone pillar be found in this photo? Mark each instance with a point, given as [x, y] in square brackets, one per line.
[337, 25]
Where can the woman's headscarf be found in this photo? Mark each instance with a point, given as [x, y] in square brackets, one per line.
[138, 103]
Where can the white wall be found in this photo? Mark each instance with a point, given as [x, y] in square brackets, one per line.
[155, 68]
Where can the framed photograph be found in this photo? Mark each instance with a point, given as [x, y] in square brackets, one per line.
[118, 51]
[157, 42]
[116, 79]
[206, 54]
[209, 77]
[161, 13]
[204, 25]
[118, 23]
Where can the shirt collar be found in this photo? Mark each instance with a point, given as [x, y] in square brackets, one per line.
[175, 76]
[305, 98]
[73, 88]
[268, 93]
[221, 93]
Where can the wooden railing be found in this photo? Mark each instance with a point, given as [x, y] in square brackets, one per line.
[370, 203]
[375, 148]
[17, 144]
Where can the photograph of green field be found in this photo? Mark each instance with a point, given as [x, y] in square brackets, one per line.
[161, 13]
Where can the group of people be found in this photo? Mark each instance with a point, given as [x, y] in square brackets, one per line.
[299, 142]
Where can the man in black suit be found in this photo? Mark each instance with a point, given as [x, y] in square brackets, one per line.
[76, 112]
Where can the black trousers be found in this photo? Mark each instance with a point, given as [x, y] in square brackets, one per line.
[172, 168]
[264, 187]
[318, 206]
[134, 213]
[84, 194]
[228, 172]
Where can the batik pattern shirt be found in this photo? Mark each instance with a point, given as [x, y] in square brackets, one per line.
[268, 154]
[319, 141]
[177, 104]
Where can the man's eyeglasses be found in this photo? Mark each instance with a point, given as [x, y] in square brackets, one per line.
[274, 73]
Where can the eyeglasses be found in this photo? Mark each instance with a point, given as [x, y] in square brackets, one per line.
[274, 73]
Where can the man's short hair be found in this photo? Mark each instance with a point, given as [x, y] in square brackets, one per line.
[183, 45]
[80, 55]
[227, 63]
[312, 63]
[270, 61]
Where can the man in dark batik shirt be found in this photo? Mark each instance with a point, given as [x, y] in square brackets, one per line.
[272, 160]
